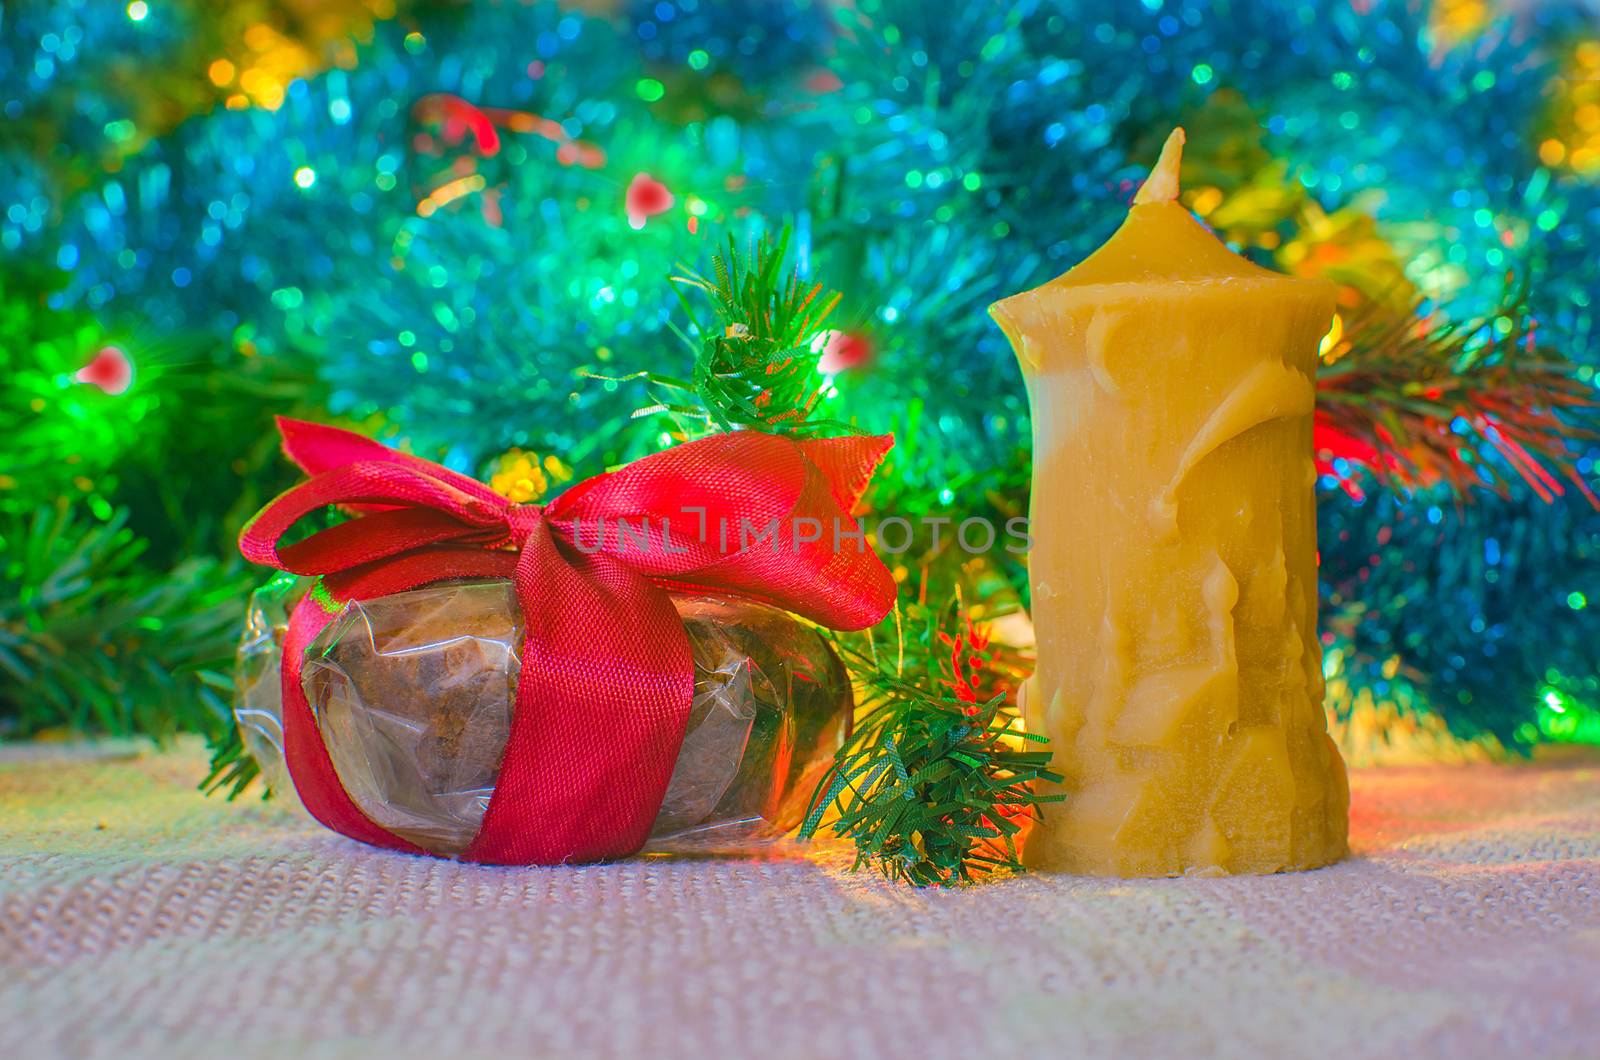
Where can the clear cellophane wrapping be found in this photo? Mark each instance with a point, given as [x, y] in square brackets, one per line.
[414, 692]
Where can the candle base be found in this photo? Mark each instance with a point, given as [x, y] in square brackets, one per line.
[1265, 810]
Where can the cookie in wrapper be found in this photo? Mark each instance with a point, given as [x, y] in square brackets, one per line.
[413, 694]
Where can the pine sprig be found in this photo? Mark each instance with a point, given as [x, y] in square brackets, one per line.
[937, 782]
[93, 641]
[232, 768]
[756, 353]
[1422, 401]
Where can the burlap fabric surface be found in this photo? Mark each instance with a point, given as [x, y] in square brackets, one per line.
[138, 918]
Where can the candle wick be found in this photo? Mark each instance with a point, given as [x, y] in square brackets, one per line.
[1162, 185]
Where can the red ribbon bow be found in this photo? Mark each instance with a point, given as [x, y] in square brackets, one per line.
[607, 675]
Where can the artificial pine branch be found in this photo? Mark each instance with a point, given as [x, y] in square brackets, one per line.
[755, 356]
[92, 641]
[1422, 401]
[937, 781]
[233, 768]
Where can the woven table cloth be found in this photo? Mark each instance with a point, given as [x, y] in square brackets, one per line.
[140, 918]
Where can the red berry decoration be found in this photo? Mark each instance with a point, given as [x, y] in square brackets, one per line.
[842, 350]
[111, 370]
[647, 197]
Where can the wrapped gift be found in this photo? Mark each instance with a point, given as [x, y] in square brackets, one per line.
[413, 696]
[526, 684]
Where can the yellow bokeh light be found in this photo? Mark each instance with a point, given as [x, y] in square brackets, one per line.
[1573, 121]
[221, 72]
[260, 37]
[518, 477]
[255, 81]
[1329, 349]
[1205, 200]
[1455, 21]
[138, 10]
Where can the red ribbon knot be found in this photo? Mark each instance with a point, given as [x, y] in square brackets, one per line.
[522, 520]
[607, 675]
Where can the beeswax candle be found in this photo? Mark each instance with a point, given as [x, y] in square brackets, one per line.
[1179, 676]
